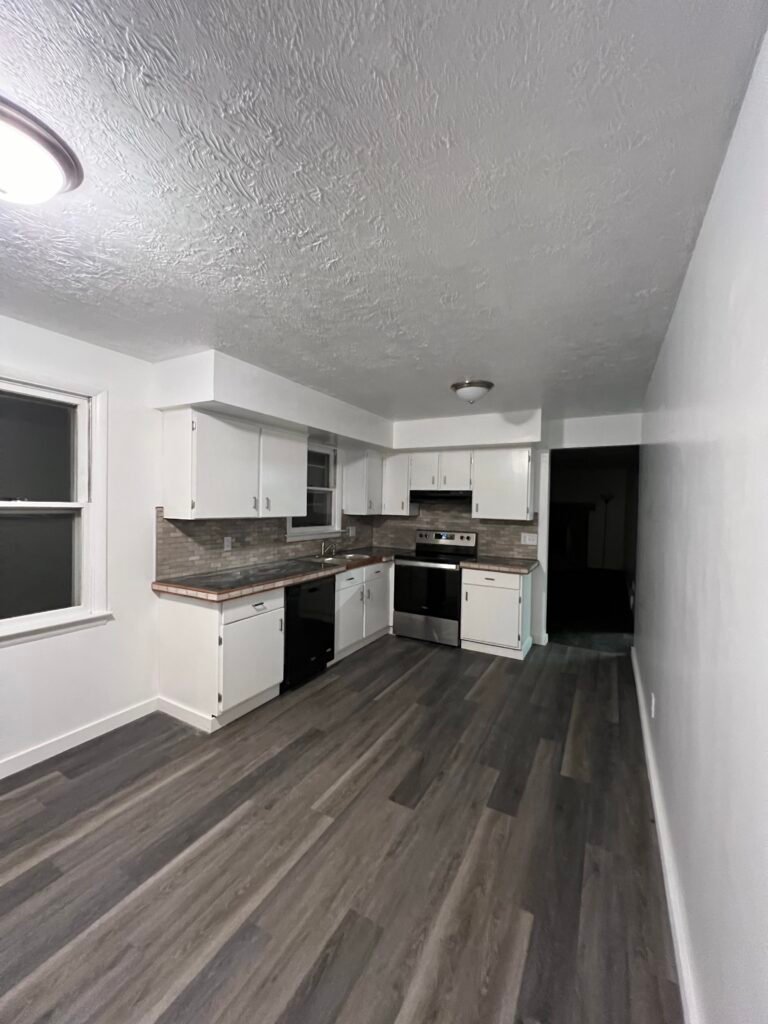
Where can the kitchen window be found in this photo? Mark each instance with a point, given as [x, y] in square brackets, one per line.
[52, 511]
[323, 518]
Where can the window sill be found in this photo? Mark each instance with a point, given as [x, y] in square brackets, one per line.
[324, 535]
[16, 632]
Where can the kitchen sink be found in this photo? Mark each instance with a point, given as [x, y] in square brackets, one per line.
[341, 559]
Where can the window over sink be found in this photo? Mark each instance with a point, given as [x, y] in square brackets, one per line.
[323, 518]
[52, 510]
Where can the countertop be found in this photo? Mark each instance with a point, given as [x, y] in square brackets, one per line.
[255, 579]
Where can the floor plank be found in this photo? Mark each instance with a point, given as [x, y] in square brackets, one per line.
[420, 835]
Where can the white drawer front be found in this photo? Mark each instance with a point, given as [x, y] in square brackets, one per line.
[349, 578]
[482, 578]
[375, 572]
[254, 604]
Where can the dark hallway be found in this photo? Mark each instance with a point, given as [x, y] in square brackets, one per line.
[592, 544]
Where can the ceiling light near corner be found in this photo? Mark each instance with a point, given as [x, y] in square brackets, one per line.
[471, 390]
[35, 164]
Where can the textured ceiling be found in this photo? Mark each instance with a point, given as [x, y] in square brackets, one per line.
[375, 197]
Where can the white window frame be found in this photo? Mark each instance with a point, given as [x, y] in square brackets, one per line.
[318, 532]
[89, 498]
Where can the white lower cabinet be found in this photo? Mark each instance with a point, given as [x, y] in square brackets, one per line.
[496, 613]
[363, 606]
[220, 660]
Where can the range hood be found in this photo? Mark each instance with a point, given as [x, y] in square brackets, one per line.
[455, 496]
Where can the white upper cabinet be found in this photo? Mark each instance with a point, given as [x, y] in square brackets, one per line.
[425, 471]
[502, 486]
[283, 487]
[362, 483]
[218, 467]
[455, 471]
[210, 466]
[396, 496]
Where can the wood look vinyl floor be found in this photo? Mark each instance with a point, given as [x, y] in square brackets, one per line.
[421, 835]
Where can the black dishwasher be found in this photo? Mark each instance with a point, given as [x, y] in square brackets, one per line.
[309, 630]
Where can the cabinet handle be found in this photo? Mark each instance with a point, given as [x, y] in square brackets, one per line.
[433, 481]
[281, 625]
[491, 579]
[362, 593]
[445, 480]
[259, 604]
[402, 506]
[269, 504]
[466, 595]
[256, 503]
[369, 594]
[477, 506]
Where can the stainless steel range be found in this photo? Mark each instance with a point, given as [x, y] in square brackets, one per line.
[428, 585]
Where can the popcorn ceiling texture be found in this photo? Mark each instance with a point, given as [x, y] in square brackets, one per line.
[376, 198]
[183, 548]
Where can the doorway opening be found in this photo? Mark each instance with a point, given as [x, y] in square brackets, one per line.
[592, 546]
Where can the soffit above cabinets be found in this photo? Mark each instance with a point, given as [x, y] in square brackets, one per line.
[375, 200]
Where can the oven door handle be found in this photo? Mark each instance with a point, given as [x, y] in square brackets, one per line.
[426, 565]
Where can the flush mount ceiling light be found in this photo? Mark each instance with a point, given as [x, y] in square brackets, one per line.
[35, 164]
[471, 390]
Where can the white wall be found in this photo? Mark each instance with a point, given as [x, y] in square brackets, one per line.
[53, 686]
[702, 618]
[592, 431]
[466, 430]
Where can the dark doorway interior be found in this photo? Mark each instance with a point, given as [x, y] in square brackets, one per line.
[592, 544]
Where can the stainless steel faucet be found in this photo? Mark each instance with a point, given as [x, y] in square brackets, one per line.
[327, 547]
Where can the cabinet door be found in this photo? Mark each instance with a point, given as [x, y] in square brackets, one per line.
[374, 469]
[396, 495]
[283, 489]
[424, 471]
[350, 616]
[501, 487]
[455, 470]
[252, 657]
[225, 467]
[490, 615]
[376, 605]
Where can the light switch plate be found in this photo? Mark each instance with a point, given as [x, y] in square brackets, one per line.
[529, 538]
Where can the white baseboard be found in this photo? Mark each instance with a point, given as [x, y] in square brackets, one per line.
[26, 758]
[678, 920]
[541, 639]
[497, 650]
[205, 723]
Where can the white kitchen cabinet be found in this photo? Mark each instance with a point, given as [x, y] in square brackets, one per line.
[377, 598]
[363, 606]
[283, 477]
[362, 483]
[425, 471]
[396, 496]
[502, 484]
[455, 470]
[219, 660]
[350, 615]
[252, 657]
[210, 466]
[496, 613]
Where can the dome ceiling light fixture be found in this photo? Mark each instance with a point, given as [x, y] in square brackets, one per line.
[471, 390]
[35, 164]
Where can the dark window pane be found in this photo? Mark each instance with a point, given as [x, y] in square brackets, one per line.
[36, 563]
[319, 510]
[319, 469]
[36, 449]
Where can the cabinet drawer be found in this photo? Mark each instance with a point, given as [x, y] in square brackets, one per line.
[349, 578]
[254, 604]
[374, 572]
[480, 578]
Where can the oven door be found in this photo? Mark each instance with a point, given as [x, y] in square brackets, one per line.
[427, 602]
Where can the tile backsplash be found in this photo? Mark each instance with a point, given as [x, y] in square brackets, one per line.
[497, 537]
[186, 547]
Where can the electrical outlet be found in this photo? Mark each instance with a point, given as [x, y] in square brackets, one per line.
[653, 705]
[351, 530]
[227, 543]
[529, 538]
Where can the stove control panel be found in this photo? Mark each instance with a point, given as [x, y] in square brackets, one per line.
[438, 537]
